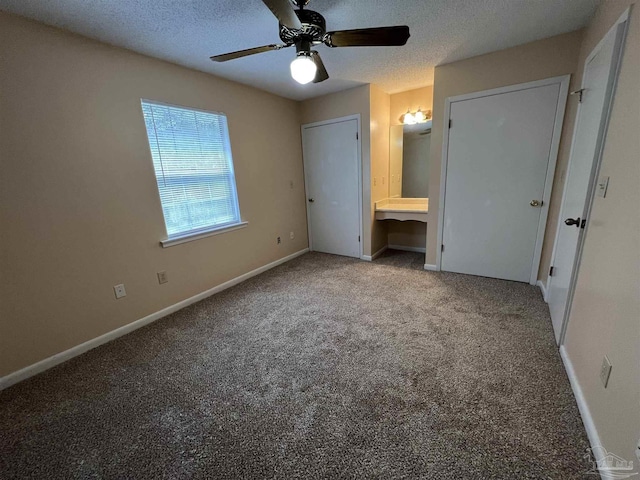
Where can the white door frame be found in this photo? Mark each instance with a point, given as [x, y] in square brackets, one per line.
[623, 23]
[304, 126]
[563, 81]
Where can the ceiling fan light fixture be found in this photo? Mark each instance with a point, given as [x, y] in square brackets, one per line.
[303, 68]
[419, 116]
[307, 29]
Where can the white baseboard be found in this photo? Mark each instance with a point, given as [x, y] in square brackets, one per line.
[370, 258]
[407, 249]
[61, 357]
[430, 267]
[543, 289]
[587, 419]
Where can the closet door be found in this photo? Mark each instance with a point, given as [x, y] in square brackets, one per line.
[498, 153]
[331, 168]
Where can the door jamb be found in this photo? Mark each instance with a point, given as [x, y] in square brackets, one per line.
[563, 81]
[347, 118]
[623, 24]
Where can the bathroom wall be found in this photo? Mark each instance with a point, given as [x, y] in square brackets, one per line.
[406, 234]
[396, 142]
[380, 105]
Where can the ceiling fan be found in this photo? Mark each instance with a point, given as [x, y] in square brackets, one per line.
[306, 28]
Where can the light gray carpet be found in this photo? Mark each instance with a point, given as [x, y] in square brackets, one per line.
[325, 367]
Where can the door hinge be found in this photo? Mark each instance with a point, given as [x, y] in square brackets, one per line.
[442, 248]
[356, 135]
[551, 272]
[449, 123]
[358, 237]
[579, 93]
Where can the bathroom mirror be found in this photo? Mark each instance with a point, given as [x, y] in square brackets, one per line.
[409, 160]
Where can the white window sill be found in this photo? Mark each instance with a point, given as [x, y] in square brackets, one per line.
[190, 237]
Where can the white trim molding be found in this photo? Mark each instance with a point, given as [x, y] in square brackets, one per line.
[61, 357]
[191, 236]
[585, 413]
[543, 289]
[430, 267]
[563, 82]
[370, 258]
[405, 248]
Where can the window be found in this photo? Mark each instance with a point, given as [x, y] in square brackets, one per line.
[191, 156]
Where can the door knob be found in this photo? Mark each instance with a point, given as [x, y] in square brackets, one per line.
[535, 203]
[573, 221]
[311, 200]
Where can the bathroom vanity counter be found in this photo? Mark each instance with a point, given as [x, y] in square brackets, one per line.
[402, 209]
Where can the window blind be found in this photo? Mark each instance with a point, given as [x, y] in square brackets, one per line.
[191, 156]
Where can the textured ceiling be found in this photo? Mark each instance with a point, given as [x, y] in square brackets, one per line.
[187, 32]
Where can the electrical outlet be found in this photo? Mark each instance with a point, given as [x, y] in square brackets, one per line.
[162, 277]
[292, 235]
[375, 181]
[605, 371]
[119, 290]
[279, 240]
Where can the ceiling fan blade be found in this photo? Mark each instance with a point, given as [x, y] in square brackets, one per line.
[321, 72]
[284, 12]
[243, 53]
[368, 37]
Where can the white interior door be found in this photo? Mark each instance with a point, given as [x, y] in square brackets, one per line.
[331, 166]
[498, 152]
[598, 79]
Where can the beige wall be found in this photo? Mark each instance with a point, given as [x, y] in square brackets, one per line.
[380, 104]
[605, 316]
[396, 144]
[78, 189]
[335, 105]
[408, 234]
[533, 61]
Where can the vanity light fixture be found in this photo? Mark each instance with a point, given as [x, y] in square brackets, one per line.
[408, 118]
[418, 117]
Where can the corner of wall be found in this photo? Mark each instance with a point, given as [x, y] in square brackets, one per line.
[380, 102]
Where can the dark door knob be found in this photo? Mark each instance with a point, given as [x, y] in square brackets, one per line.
[311, 200]
[573, 221]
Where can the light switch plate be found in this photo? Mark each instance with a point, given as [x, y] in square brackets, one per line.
[163, 277]
[605, 371]
[601, 188]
